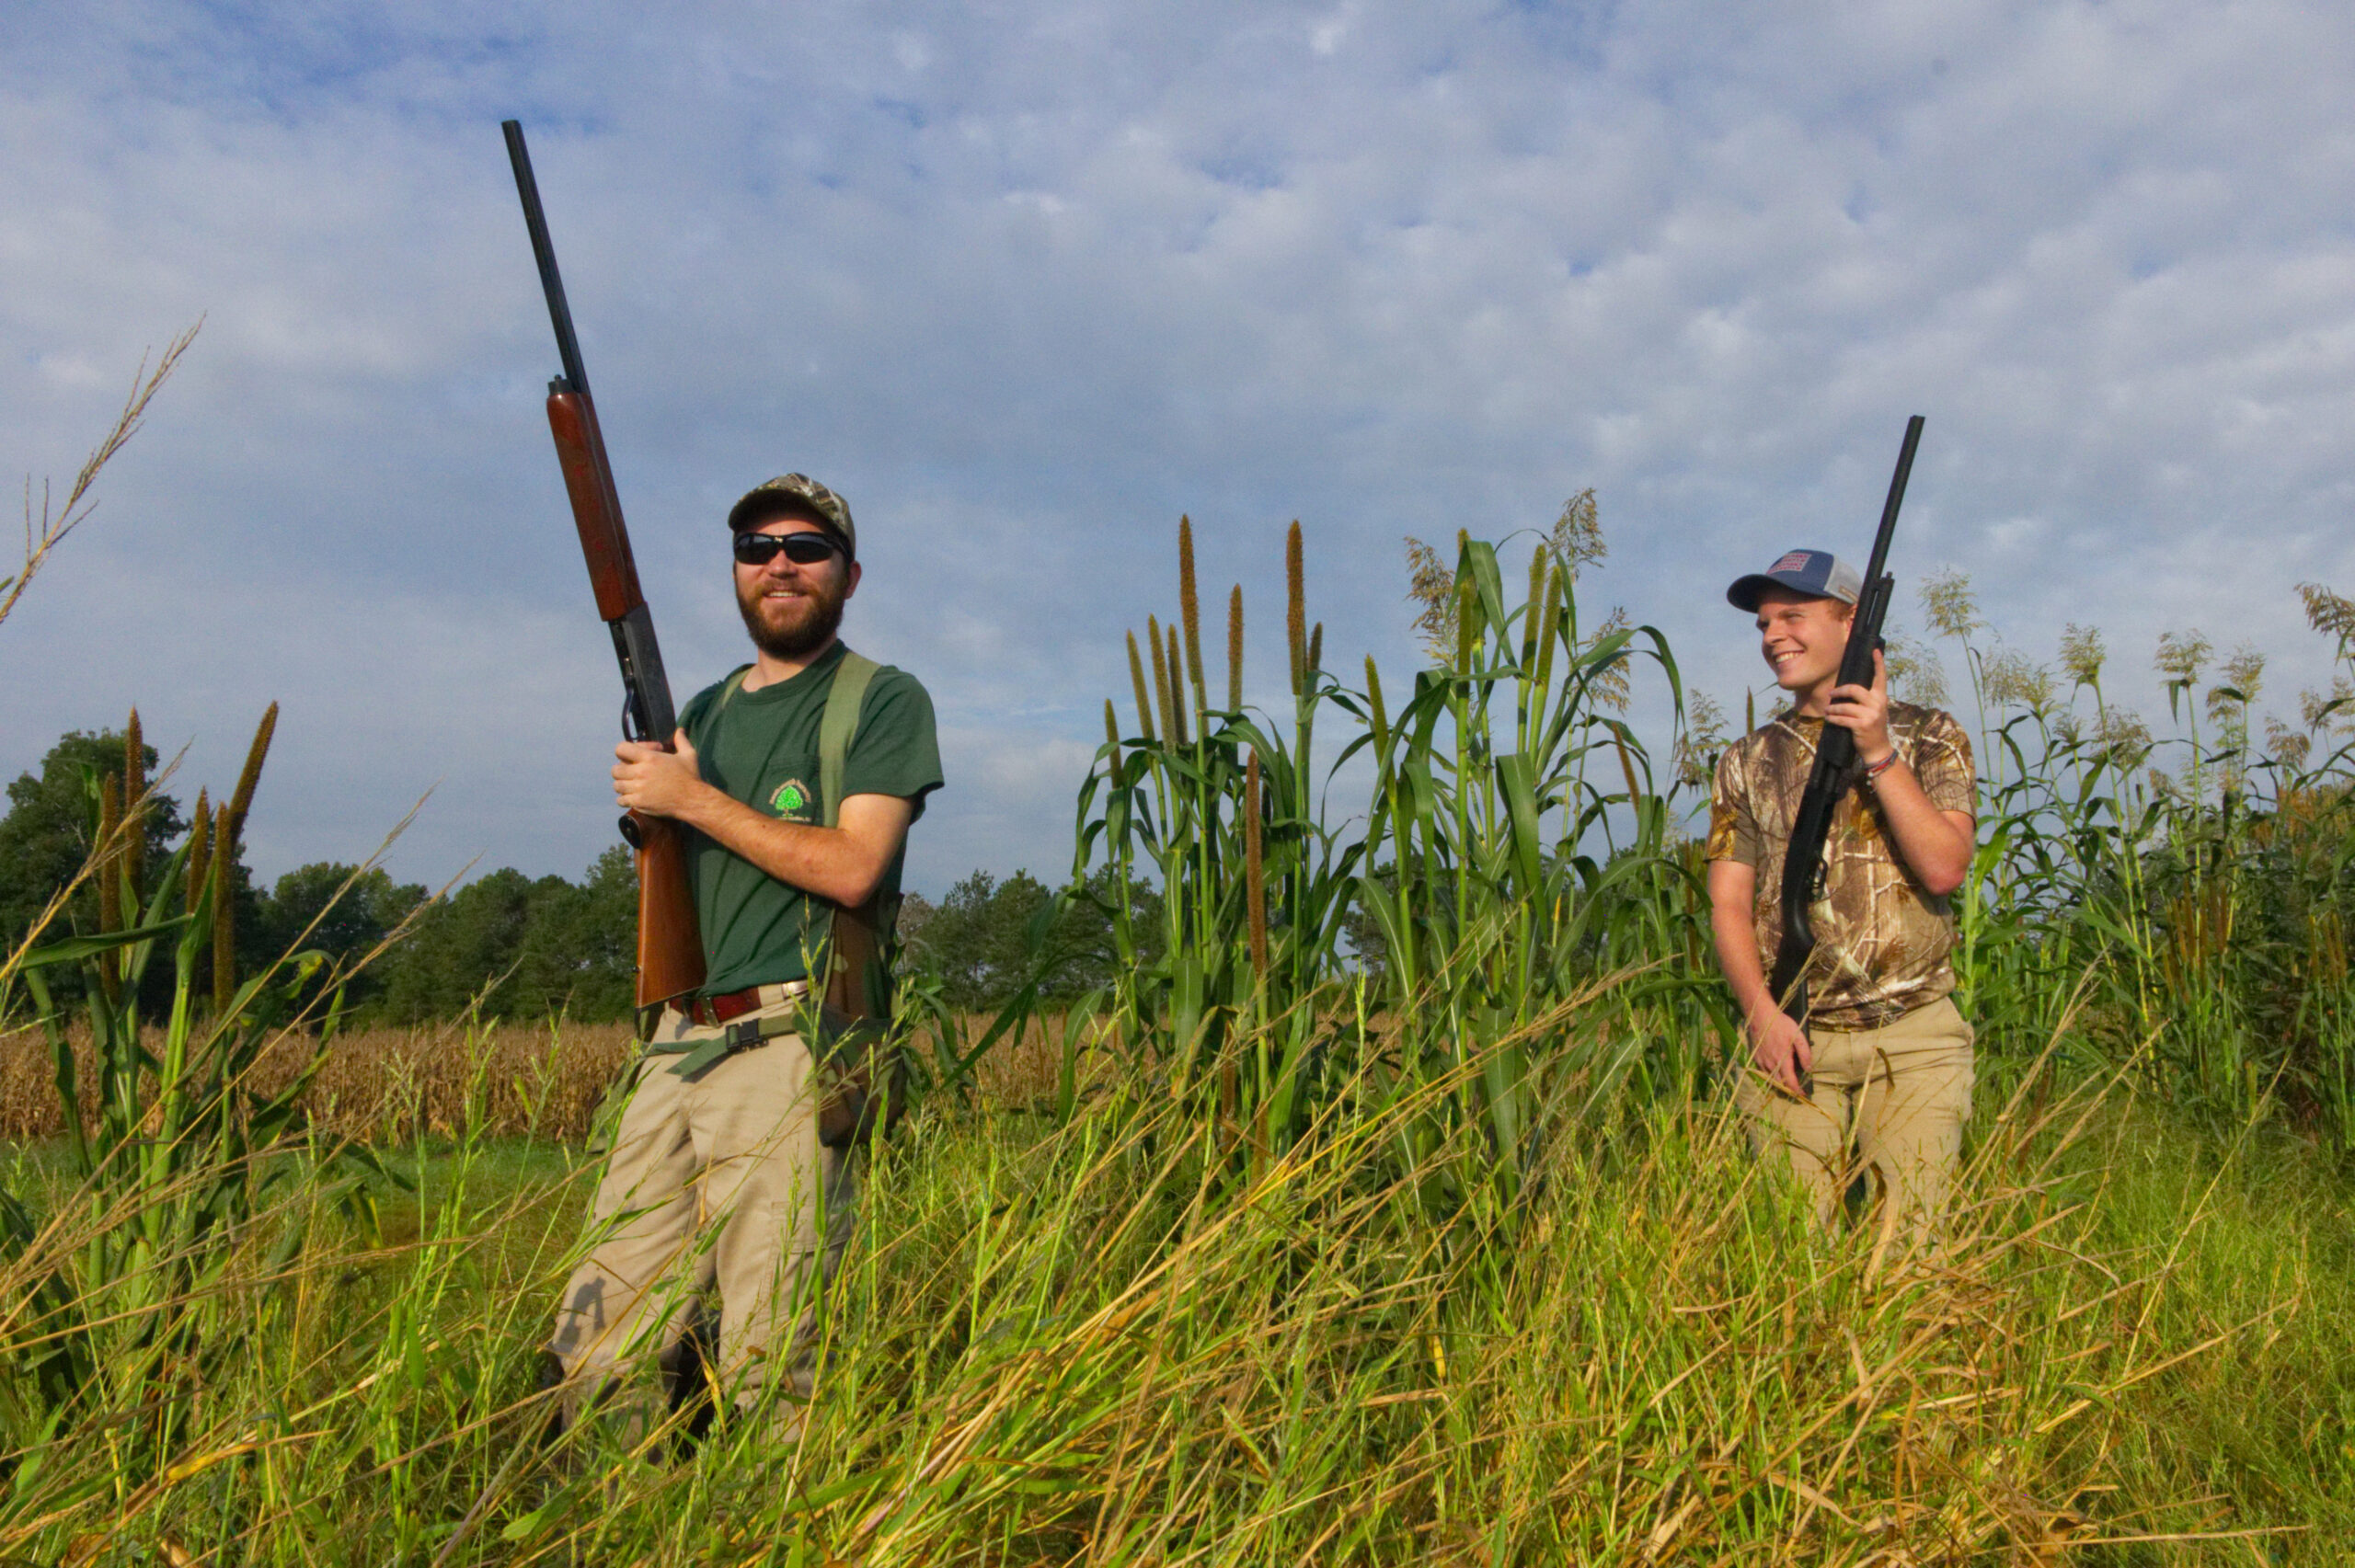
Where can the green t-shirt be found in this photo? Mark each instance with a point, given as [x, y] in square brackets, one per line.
[762, 747]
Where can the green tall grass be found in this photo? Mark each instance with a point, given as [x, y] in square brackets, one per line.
[171, 1150]
[1385, 1207]
[1070, 1341]
[2189, 891]
[1483, 868]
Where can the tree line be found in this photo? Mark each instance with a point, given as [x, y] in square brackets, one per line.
[525, 947]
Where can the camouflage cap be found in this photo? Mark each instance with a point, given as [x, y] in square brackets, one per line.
[791, 494]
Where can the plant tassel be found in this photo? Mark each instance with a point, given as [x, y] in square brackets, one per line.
[1144, 694]
[1189, 609]
[228, 827]
[134, 811]
[1235, 650]
[109, 877]
[243, 800]
[224, 915]
[1179, 731]
[1532, 628]
[200, 851]
[1549, 629]
[1295, 608]
[1160, 686]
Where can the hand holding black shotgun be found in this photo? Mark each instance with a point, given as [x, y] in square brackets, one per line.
[669, 949]
[1835, 755]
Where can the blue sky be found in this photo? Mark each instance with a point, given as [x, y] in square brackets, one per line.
[1026, 281]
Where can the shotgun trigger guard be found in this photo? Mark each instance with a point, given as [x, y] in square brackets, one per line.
[630, 834]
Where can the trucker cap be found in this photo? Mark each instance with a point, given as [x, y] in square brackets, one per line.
[792, 494]
[1818, 574]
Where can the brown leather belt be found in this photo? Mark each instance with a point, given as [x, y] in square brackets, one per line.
[710, 1010]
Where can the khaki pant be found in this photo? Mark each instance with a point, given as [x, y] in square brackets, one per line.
[716, 1183]
[1888, 1103]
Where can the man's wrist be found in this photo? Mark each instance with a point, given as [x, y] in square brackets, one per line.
[695, 809]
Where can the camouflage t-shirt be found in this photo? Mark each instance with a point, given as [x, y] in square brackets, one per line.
[1881, 938]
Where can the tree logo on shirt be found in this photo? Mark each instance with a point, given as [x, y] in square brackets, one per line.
[791, 799]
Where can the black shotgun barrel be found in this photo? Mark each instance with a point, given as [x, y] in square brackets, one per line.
[567, 347]
[1835, 752]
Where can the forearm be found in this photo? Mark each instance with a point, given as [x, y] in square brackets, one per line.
[1777, 1046]
[1737, 944]
[831, 862]
[1733, 928]
[1933, 846]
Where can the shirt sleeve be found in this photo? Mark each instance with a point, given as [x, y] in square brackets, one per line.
[693, 716]
[1942, 762]
[897, 749]
[1733, 824]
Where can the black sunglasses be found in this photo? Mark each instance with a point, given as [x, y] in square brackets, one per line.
[801, 549]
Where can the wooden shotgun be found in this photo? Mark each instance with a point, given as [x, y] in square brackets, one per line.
[669, 949]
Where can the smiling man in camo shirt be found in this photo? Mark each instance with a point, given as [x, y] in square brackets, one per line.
[1878, 1083]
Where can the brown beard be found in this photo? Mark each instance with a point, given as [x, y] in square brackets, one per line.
[812, 623]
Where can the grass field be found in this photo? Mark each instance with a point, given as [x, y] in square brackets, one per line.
[1044, 1351]
[1384, 1208]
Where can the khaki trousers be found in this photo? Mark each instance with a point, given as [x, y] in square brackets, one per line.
[716, 1183]
[1887, 1105]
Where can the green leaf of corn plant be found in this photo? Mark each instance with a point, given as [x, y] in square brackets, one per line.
[1478, 564]
[1518, 778]
[77, 949]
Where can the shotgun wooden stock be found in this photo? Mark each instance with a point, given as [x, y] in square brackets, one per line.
[670, 947]
[596, 509]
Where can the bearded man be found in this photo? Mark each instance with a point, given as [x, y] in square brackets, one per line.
[1878, 1083]
[720, 1181]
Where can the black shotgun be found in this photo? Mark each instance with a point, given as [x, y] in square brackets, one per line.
[1835, 753]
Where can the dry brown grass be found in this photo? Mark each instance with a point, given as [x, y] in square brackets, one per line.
[1019, 1073]
[388, 1085]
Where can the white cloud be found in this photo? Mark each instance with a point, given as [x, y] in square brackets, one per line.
[1389, 269]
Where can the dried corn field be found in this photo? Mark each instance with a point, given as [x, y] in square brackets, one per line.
[386, 1086]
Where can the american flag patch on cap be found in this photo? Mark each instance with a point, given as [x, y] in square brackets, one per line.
[1797, 561]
